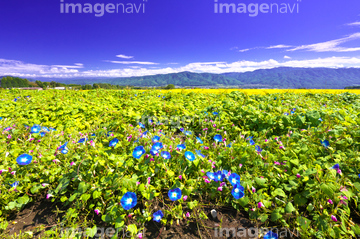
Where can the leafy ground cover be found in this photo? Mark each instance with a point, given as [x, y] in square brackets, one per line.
[130, 159]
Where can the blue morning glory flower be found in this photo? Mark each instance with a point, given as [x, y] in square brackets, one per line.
[215, 113]
[229, 145]
[250, 137]
[238, 191]
[138, 152]
[182, 129]
[46, 129]
[24, 159]
[15, 99]
[294, 109]
[65, 150]
[135, 94]
[206, 113]
[271, 235]
[82, 140]
[275, 98]
[189, 156]
[234, 179]
[157, 146]
[15, 184]
[52, 129]
[153, 152]
[198, 152]
[181, 146]
[93, 135]
[320, 119]
[144, 134]
[199, 140]
[359, 175]
[211, 175]
[35, 129]
[1, 118]
[218, 138]
[157, 216]
[129, 200]
[187, 133]
[155, 139]
[225, 172]
[336, 167]
[141, 125]
[113, 142]
[219, 176]
[286, 114]
[292, 112]
[325, 143]
[165, 155]
[42, 134]
[258, 149]
[174, 194]
[251, 142]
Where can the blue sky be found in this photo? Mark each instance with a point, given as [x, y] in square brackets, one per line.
[167, 36]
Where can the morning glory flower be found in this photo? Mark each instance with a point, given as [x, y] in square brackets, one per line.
[325, 143]
[42, 134]
[155, 139]
[258, 149]
[157, 146]
[271, 235]
[144, 134]
[250, 137]
[320, 119]
[82, 140]
[237, 191]
[64, 150]
[286, 114]
[153, 152]
[109, 133]
[219, 176]
[182, 129]
[292, 112]
[35, 129]
[215, 113]
[7, 129]
[46, 129]
[251, 142]
[211, 175]
[229, 145]
[52, 129]
[138, 152]
[334, 218]
[141, 125]
[97, 211]
[198, 152]
[165, 155]
[218, 138]
[336, 167]
[174, 194]
[234, 179]
[226, 173]
[24, 159]
[187, 133]
[158, 215]
[15, 184]
[129, 200]
[189, 156]
[113, 142]
[199, 140]
[1, 118]
[181, 146]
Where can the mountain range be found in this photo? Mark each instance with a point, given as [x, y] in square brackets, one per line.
[283, 78]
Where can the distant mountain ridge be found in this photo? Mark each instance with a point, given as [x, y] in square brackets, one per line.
[283, 77]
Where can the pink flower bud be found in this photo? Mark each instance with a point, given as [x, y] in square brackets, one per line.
[334, 218]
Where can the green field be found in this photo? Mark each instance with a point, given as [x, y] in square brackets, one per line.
[297, 155]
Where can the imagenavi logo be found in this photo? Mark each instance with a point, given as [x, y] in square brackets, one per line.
[254, 9]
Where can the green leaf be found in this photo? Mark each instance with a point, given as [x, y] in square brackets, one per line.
[96, 194]
[91, 231]
[279, 192]
[260, 181]
[275, 215]
[133, 229]
[244, 201]
[82, 187]
[327, 190]
[289, 208]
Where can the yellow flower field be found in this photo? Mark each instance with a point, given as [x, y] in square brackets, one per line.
[265, 91]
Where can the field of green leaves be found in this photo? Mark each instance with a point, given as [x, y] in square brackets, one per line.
[286, 159]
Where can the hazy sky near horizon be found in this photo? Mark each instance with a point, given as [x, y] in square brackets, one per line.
[121, 38]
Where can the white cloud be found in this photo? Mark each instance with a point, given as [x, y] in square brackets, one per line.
[18, 68]
[244, 50]
[124, 56]
[134, 62]
[353, 24]
[278, 47]
[330, 46]
[287, 57]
